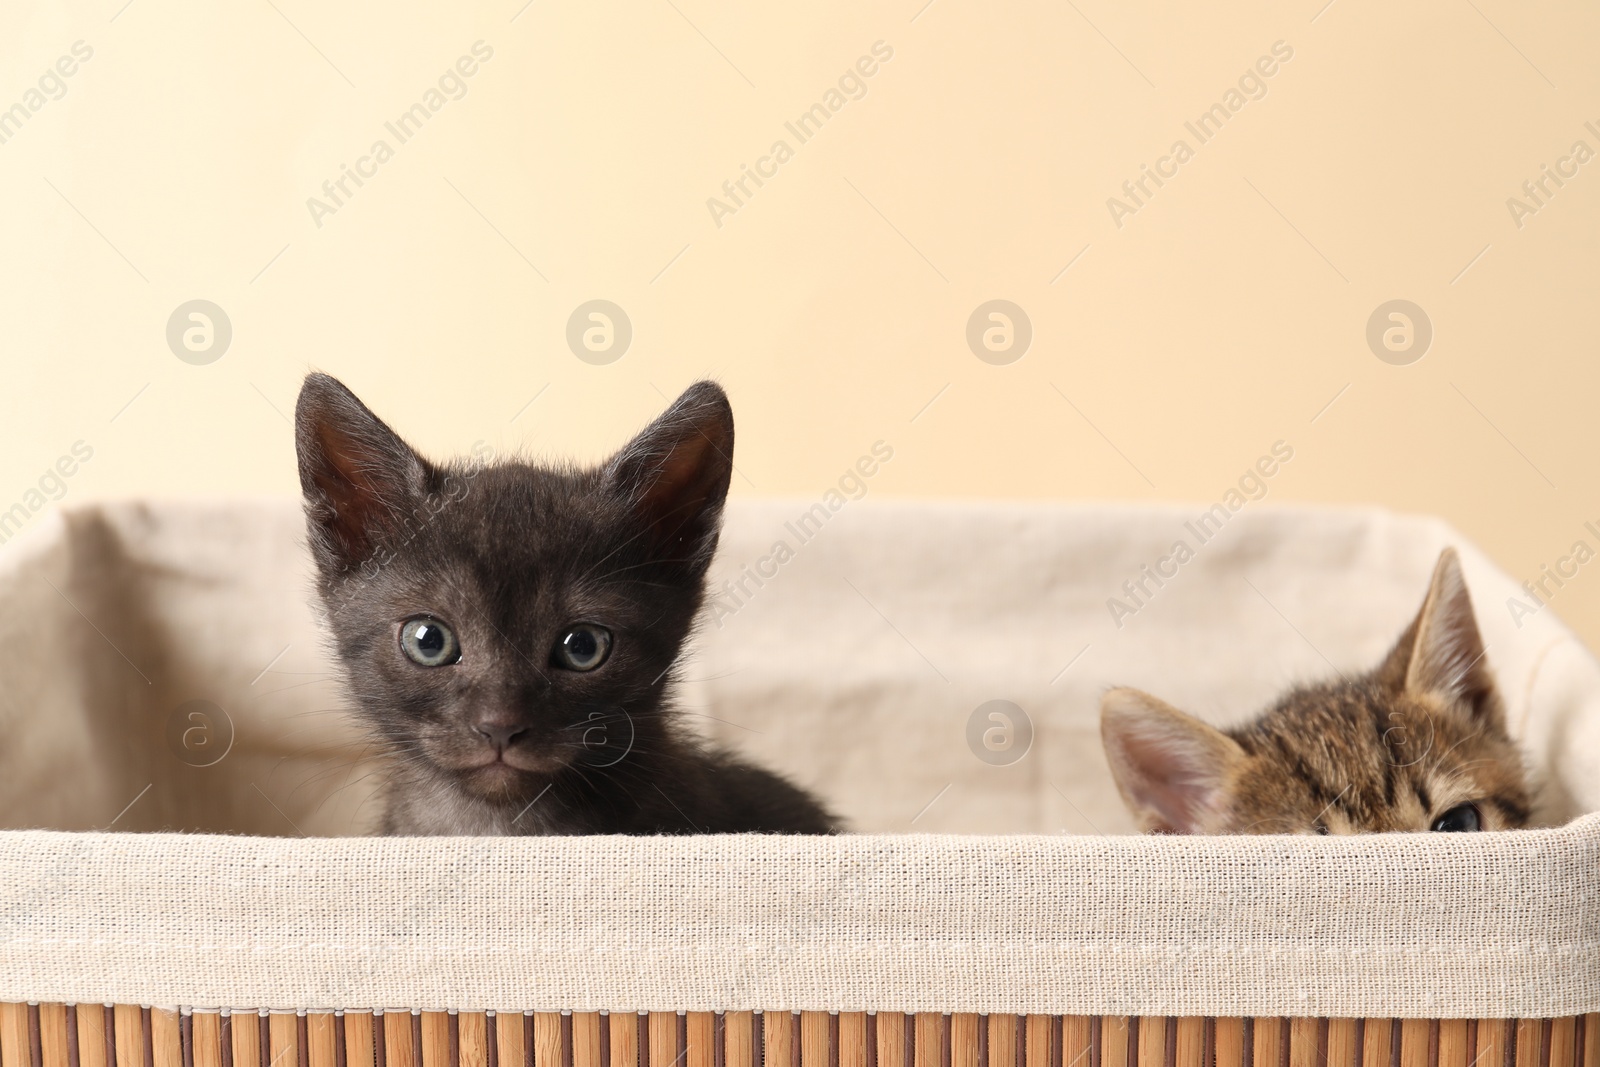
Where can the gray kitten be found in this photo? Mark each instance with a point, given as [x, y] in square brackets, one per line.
[509, 631]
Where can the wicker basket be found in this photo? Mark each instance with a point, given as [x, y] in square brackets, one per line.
[94, 1035]
[261, 935]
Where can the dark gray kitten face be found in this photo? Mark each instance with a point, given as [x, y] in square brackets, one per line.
[507, 628]
[504, 660]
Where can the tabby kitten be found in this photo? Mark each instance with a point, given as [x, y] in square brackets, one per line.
[509, 631]
[1420, 743]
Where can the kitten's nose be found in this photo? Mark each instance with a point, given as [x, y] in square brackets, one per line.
[498, 734]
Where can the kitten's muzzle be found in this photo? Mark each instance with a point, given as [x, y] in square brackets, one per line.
[498, 734]
[505, 743]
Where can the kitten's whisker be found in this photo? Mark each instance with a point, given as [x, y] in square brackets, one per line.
[640, 533]
[297, 685]
[358, 757]
[1470, 737]
[707, 677]
[317, 711]
[590, 577]
[1270, 820]
[726, 722]
[346, 769]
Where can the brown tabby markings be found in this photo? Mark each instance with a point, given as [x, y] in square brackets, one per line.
[1394, 749]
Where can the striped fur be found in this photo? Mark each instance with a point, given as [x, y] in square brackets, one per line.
[1394, 749]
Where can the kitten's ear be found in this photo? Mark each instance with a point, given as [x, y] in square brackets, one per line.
[360, 480]
[1172, 769]
[675, 474]
[1441, 654]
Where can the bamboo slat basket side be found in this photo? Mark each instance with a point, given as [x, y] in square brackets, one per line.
[123, 1035]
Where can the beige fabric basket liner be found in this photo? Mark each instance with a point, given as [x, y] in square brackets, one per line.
[854, 668]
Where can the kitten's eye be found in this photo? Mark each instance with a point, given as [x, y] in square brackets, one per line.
[1461, 819]
[1322, 830]
[582, 648]
[429, 643]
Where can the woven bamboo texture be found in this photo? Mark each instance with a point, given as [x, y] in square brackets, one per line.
[95, 1035]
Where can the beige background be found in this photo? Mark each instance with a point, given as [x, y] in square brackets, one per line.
[1226, 314]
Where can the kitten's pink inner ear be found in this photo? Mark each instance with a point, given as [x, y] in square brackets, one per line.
[689, 475]
[1171, 768]
[1447, 656]
[347, 478]
[676, 472]
[353, 465]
